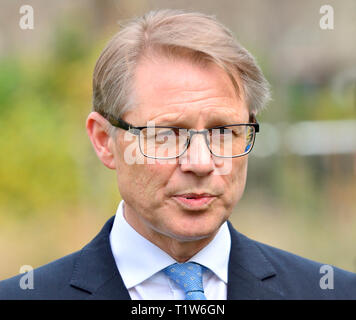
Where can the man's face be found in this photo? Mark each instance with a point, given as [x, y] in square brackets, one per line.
[180, 93]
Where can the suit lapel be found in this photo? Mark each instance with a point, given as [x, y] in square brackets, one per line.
[250, 275]
[95, 270]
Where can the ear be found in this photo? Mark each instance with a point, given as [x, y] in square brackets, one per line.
[97, 129]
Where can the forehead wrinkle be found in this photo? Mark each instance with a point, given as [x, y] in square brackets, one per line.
[191, 98]
[188, 86]
[206, 116]
[168, 99]
[226, 114]
[171, 104]
[168, 117]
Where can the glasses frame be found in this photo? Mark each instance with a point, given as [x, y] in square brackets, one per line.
[122, 124]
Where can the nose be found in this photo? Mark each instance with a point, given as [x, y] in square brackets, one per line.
[197, 158]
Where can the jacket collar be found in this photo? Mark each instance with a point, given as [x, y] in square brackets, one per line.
[95, 270]
[250, 274]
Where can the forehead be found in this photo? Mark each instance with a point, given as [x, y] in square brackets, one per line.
[171, 90]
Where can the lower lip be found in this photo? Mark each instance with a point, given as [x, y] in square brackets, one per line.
[197, 203]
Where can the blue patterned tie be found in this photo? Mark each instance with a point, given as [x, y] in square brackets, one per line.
[188, 276]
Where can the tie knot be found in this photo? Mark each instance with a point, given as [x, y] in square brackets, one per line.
[188, 276]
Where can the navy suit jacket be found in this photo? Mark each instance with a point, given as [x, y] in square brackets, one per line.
[256, 271]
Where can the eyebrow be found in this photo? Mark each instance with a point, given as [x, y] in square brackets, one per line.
[214, 121]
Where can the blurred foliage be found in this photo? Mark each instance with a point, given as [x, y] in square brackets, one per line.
[311, 102]
[44, 101]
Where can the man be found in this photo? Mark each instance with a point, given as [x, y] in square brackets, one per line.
[175, 99]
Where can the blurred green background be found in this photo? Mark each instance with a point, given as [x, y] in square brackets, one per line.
[55, 195]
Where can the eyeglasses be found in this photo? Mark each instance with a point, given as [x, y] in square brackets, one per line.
[166, 142]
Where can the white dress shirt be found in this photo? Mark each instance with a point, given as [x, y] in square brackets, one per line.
[140, 263]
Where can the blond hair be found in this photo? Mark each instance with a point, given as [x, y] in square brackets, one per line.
[172, 32]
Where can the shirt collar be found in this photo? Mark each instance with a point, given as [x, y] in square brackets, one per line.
[135, 267]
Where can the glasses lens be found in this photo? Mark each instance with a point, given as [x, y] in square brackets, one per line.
[231, 141]
[163, 143]
[168, 143]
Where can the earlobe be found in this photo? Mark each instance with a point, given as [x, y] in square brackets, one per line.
[97, 129]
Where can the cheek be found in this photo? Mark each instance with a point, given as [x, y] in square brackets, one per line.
[242, 171]
[238, 179]
[143, 183]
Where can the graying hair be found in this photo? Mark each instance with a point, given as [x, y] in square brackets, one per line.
[172, 32]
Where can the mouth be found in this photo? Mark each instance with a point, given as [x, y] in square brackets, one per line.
[194, 201]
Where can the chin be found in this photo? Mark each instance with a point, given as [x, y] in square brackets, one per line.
[190, 235]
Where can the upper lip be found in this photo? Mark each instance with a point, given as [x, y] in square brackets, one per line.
[194, 195]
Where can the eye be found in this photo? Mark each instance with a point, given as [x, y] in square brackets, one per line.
[166, 132]
[224, 131]
[228, 131]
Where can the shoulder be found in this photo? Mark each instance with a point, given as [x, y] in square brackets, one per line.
[287, 263]
[73, 277]
[50, 281]
[308, 279]
[299, 277]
